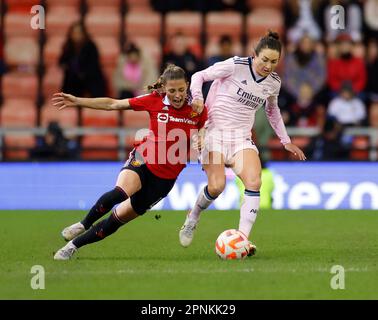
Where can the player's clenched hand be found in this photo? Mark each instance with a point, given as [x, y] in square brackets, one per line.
[295, 150]
[64, 100]
[197, 105]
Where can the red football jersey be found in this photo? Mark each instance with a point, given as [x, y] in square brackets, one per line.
[165, 150]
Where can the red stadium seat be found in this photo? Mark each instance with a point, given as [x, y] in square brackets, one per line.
[103, 22]
[17, 24]
[150, 46]
[109, 50]
[52, 81]
[146, 24]
[136, 119]
[254, 4]
[20, 5]
[17, 146]
[18, 113]
[20, 85]
[99, 118]
[277, 152]
[94, 4]
[99, 146]
[188, 23]
[360, 148]
[261, 20]
[66, 3]
[220, 23]
[67, 118]
[53, 49]
[22, 52]
[138, 5]
[59, 19]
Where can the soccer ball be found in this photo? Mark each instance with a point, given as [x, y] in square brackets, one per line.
[232, 244]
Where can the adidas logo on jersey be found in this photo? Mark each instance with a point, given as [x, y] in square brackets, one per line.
[244, 82]
[165, 108]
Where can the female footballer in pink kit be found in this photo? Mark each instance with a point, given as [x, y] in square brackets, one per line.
[241, 86]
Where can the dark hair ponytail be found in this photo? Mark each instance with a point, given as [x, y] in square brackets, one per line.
[271, 41]
[171, 72]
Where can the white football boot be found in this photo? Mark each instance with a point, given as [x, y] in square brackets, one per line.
[66, 252]
[73, 231]
[187, 232]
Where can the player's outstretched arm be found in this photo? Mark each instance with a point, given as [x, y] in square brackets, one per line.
[64, 100]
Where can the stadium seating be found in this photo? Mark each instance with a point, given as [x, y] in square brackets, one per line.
[212, 47]
[66, 3]
[258, 24]
[17, 146]
[187, 23]
[17, 24]
[254, 4]
[220, 23]
[52, 81]
[99, 118]
[20, 85]
[67, 118]
[21, 52]
[149, 46]
[103, 21]
[136, 119]
[59, 19]
[138, 5]
[99, 146]
[53, 49]
[143, 24]
[94, 4]
[18, 113]
[360, 148]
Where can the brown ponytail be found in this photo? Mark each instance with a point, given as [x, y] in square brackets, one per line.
[171, 72]
[271, 41]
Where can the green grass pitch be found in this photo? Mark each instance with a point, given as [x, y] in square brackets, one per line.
[143, 260]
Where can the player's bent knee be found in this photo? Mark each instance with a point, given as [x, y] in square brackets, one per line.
[253, 184]
[216, 187]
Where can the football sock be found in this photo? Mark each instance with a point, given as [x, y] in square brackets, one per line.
[203, 202]
[99, 231]
[248, 211]
[103, 205]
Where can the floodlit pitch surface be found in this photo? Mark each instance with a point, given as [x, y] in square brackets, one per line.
[144, 260]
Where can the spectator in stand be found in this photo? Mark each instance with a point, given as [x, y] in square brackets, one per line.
[372, 67]
[353, 20]
[370, 18]
[218, 5]
[225, 46]
[305, 112]
[373, 115]
[2, 65]
[165, 6]
[54, 145]
[133, 73]
[329, 144]
[346, 108]
[304, 65]
[80, 61]
[180, 55]
[346, 67]
[300, 19]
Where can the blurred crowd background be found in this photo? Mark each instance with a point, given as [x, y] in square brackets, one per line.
[93, 48]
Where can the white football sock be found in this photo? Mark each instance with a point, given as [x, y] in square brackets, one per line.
[248, 211]
[203, 201]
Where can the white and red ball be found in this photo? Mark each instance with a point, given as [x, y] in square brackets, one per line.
[232, 244]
